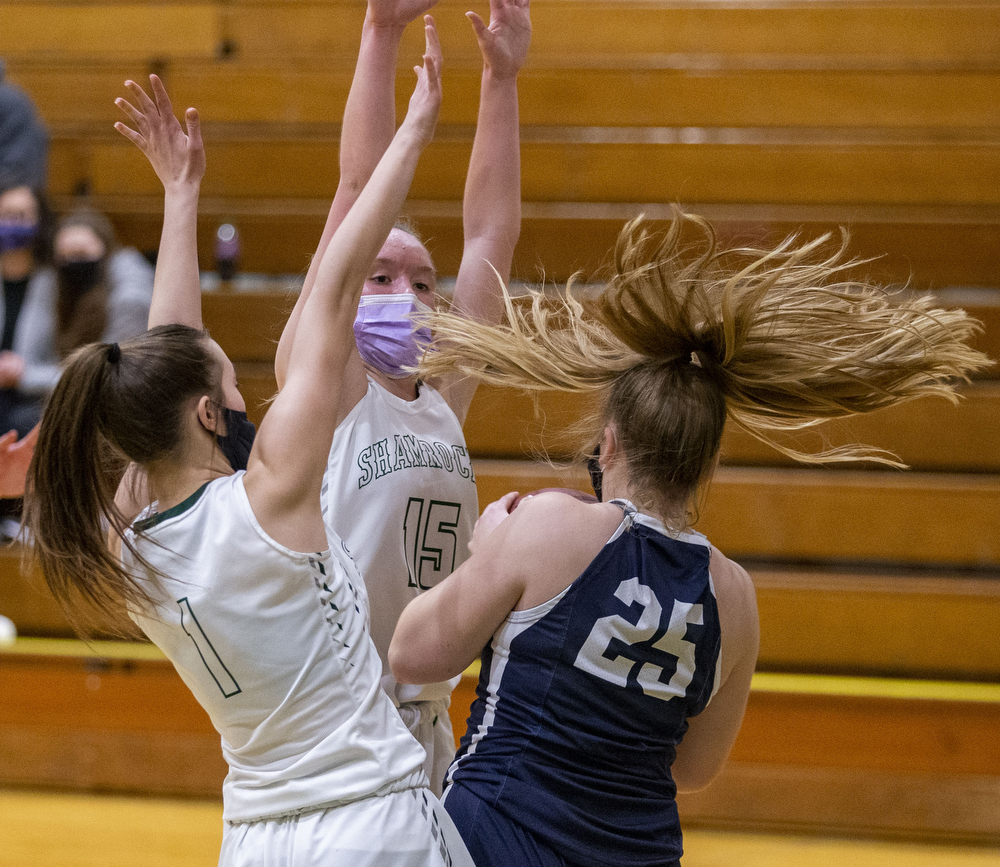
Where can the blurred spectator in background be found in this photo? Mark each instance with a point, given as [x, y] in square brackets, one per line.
[85, 288]
[24, 141]
[58, 291]
[103, 290]
[94, 290]
[24, 148]
[23, 256]
[24, 145]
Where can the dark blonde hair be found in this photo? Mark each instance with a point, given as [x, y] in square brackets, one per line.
[113, 405]
[685, 335]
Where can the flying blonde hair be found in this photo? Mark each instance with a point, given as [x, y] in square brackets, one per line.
[782, 334]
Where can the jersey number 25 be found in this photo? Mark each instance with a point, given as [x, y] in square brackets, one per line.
[610, 651]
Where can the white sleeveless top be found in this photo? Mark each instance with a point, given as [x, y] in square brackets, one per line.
[400, 491]
[273, 644]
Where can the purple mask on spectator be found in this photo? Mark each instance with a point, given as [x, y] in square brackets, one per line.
[16, 236]
[387, 338]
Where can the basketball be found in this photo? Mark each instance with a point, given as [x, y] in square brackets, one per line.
[580, 495]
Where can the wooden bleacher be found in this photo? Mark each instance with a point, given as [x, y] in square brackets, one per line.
[875, 709]
[118, 719]
[880, 115]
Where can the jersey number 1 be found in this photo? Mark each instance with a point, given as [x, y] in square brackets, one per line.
[216, 667]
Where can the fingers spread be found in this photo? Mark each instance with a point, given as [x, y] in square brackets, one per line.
[131, 135]
[134, 113]
[145, 103]
[163, 104]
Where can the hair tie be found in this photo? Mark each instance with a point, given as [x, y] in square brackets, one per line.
[114, 353]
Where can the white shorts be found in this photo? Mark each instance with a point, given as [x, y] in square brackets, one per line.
[403, 829]
[430, 724]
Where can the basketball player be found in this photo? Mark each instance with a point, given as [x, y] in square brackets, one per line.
[227, 566]
[399, 486]
[619, 643]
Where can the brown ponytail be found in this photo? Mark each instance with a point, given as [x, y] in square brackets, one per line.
[114, 404]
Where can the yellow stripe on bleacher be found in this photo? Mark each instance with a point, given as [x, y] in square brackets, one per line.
[877, 687]
[807, 684]
[86, 649]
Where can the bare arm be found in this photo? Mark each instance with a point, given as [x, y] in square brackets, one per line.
[367, 129]
[286, 465]
[491, 209]
[179, 162]
[178, 158]
[445, 628]
[518, 562]
[710, 735]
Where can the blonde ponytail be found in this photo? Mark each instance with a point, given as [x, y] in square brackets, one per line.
[783, 334]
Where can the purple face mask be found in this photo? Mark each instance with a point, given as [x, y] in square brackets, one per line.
[16, 235]
[387, 338]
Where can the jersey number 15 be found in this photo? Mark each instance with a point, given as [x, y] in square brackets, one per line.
[430, 540]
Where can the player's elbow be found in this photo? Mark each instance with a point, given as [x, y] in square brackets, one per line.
[697, 763]
[690, 778]
[409, 663]
[686, 785]
[401, 664]
[421, 659]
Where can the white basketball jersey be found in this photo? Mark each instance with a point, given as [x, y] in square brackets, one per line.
[400, 492]
[273, 644]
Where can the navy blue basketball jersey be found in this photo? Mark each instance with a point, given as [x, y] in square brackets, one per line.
[582, 700]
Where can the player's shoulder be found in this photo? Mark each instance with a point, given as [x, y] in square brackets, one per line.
[556, 505]
[549, 521]
[728, 574]
[551, 539]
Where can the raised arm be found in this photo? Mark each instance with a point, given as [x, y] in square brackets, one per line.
[491, 209]
[286, 466]
[178, 158]
[367, 129]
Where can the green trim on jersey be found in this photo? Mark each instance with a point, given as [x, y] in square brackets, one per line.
[150, 522]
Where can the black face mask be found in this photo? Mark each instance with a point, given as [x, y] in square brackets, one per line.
[236, 444]
[80, 277]
[596, 473]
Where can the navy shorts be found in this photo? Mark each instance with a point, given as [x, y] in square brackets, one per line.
[494, 840]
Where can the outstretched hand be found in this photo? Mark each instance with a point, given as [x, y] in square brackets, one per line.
[397, 13]
[15, 456]
[504, 42]
[178, 158]
[426, 99]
